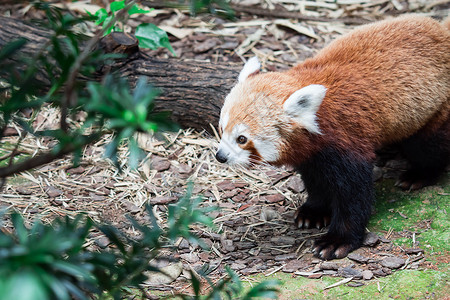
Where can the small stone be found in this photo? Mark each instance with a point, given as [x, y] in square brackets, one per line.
[371, 239]
[236, 266]
[377, 173]
[367, 274]
[53, 192]
[206, 45]
[268, 214]
[102, 242]
[77, 170]
[384, 240]
[95, 197]
[228, 246]
[387, 271]
[295, 264]
[273, 198]
[57, 202]
[284, 257]
[230, 194]
[226, 185]
[379, 273]
[185, 169]
[283, 240]
[295, 184]
[190, 257]
[131, 207]
[413, 250]
[244, 245]
[204, 256]
[184, 244]
[160, 164]
[329, 265]
[239, 198]
[393, 262]
[358, 257]
[248, 271]
[315, 276]
[355, 284]
[350, 272]
[167, 275]
[24, 191]
[162, 199]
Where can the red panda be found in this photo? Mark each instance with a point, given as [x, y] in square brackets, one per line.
[383, 83]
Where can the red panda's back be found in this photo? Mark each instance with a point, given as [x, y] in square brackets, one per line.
[385, 80]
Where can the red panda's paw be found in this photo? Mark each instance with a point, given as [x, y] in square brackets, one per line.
[309, 217]
[417, 179]
[410, 185]
[328, 248]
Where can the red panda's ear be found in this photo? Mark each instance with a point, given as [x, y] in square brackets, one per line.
[303, 105]
[251, 66]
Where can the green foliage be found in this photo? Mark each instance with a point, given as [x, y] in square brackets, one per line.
[101, 16]
[53, 262]
[149, 35]
[153, 37]
[110, 106]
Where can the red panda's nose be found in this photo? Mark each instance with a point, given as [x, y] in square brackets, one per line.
[221, 157]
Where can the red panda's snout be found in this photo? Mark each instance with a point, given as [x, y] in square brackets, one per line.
[221, 156]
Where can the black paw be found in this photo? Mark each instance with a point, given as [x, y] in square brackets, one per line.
[310, 217]
[329, 247]
[416, 179]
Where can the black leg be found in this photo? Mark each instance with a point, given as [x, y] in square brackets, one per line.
[429, 155]
[339, 186]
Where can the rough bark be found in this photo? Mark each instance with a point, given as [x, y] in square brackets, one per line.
[193, 91]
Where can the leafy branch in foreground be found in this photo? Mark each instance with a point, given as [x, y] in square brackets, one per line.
[110, 105]
[149, 35]
[53, 261]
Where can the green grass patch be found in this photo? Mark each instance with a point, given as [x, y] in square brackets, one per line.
[423, 212]
[406, 284]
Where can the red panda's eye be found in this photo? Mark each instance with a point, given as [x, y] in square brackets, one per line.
[241, 139]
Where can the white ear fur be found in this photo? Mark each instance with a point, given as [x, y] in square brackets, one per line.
[251, 66]
[303, 105]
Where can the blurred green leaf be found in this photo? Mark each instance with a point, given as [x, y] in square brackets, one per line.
[153, 37]
[135, 9]
[117, 5]
[11, 48]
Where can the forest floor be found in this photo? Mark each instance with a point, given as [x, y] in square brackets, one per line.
[406, 252]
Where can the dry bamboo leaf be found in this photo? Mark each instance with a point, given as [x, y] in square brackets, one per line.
[249, 42]
[297, 27]
[179, 33]
[341, 282]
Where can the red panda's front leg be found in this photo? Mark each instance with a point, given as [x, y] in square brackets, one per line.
[339, 183]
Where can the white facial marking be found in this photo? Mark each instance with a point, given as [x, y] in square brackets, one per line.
[250, 67]
[231, 149]
[303, 105]
[267, 148]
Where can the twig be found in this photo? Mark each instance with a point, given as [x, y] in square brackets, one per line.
[47, 157]
[69, 94]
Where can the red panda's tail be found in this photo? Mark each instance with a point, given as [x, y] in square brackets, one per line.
[446, 22]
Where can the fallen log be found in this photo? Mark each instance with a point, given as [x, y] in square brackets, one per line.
[192, 90]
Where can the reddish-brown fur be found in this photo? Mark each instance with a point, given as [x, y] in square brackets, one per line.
[385, 82]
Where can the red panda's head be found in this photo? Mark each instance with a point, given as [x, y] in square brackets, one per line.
[261, 112]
